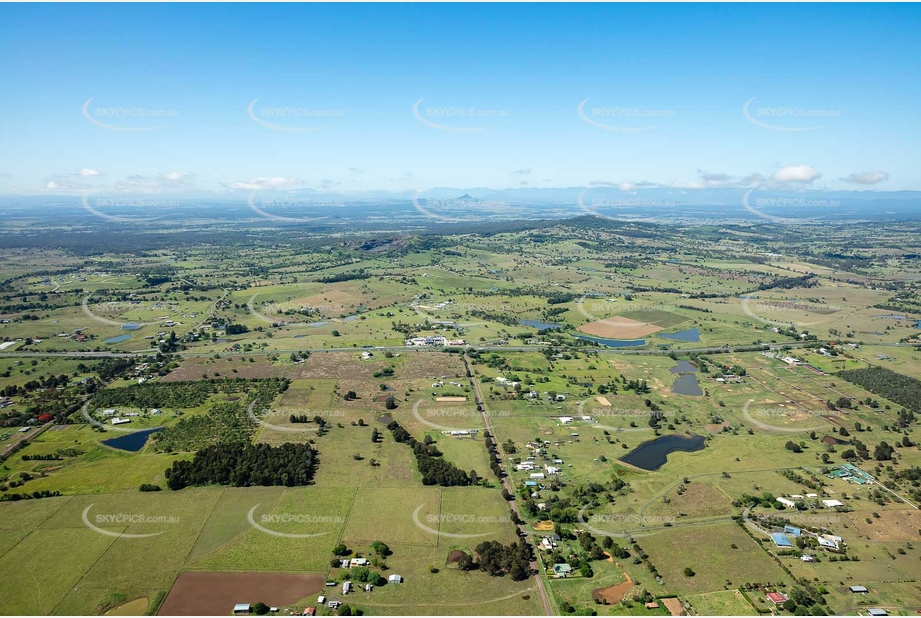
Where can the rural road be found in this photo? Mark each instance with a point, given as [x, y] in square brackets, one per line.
[537, 565]
[395, 348]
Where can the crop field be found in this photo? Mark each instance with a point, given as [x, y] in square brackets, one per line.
[764, 336]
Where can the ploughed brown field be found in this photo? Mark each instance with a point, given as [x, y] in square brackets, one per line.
[215, 594]
[617, 327]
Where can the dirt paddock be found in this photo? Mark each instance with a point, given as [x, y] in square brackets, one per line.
[617, 327]
[215, 594]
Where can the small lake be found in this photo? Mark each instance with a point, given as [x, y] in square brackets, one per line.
[539, 325]
[691, 334]
[686, 384]
[131, 326]
[684, 367]
[318, 324]
[653, 454]
[615, 343]
[132, 442]
[118, 339]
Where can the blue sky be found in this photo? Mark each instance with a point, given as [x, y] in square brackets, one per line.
[501, 87]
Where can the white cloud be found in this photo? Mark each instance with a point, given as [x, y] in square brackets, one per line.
[795, 174]
[521, 172]
[88, 172]
[276, 182]
[171, 176]
[51, 185]
[866, 178]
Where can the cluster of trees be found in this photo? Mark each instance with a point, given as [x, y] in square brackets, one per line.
[435, 470]
[48, 457]
[498, 560]
[242, 464]
[903, 390]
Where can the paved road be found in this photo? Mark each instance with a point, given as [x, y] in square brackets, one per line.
[537, 565]
[395, 348]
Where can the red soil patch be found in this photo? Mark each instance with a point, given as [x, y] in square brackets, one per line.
[618, 327]
[214, 594]
[613, 594]
[455, 555]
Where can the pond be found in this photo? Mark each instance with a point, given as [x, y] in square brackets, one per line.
[118, 339]
[687, 384]
[539, 325]
[691, 334]
[653, 454]
[615, 343]
[684, 367]
[131, 326]
[132, 442]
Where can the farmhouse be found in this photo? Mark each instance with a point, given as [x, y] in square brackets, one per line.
[562, 569]
[787, 502]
